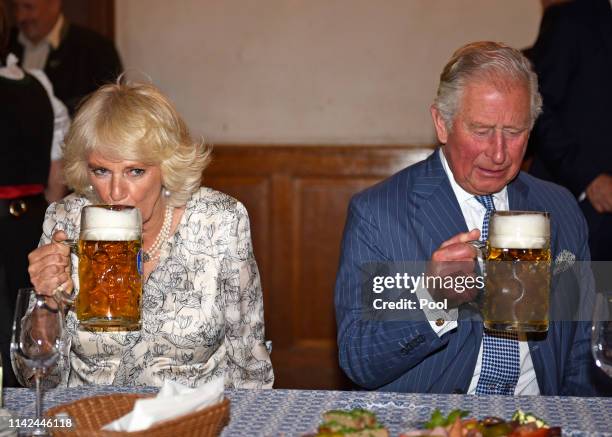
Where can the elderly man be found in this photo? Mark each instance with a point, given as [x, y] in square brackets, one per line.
[76, 60]
[486, 105]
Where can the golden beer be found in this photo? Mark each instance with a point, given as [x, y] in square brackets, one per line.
[110, 278]
[517, 267]
[110, 284]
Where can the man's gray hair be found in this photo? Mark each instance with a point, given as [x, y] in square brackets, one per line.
[485, 60]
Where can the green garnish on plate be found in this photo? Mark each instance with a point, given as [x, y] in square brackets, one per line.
[439, 419]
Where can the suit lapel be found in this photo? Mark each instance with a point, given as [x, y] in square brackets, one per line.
[54, 60]
[517, 195]
[439, 214]
[438, 211]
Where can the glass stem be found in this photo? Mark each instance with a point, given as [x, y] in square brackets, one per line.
[38, 396]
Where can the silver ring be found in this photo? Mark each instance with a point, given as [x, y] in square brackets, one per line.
[58, 293]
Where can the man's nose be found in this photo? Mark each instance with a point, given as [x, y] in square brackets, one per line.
[497, 148]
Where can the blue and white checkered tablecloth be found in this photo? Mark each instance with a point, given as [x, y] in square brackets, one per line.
[298, 412]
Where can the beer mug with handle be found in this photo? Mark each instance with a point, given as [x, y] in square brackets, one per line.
[110, 267]
[517, 260]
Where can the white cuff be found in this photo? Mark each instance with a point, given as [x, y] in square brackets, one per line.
[441, 321]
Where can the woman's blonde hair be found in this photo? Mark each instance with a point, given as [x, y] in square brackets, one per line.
[135, 122]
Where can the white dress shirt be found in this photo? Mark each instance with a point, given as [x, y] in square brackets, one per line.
[473, 213]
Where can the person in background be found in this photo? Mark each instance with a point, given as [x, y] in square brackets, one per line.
[76, 60]
[573, 59]
[486, 105]
[202, 312]
[33, 123]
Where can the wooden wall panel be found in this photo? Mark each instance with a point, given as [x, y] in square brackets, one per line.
[319, 216]
[297, 197]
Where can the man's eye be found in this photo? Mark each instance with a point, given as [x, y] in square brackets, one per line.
[514, 132]
[481, 132]
[137, 171]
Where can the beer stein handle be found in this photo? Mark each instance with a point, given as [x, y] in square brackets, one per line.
[480, 246]
[60, 295]
[73, 244]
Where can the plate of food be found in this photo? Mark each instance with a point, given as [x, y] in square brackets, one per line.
[350, 423]
[457, 423]
[360, 422]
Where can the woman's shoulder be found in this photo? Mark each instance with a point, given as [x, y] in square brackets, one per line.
[211, 202]
[70, 205]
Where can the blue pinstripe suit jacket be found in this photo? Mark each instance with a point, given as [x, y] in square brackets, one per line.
[406, 218]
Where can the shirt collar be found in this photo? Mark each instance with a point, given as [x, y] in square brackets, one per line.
[53, 38]
[462, 195]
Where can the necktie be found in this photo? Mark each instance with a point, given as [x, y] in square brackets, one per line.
[500, 367]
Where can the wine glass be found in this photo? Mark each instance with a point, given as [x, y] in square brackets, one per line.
[601, 336]
[36, 342]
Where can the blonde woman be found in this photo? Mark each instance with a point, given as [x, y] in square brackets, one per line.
[202, 312]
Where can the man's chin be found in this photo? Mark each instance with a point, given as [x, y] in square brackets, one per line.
[489, 187]
[491, 183]
[32, 36]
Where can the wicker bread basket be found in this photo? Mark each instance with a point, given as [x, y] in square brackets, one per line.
[91, 414]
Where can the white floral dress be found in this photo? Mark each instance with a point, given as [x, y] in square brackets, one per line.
[202, 306]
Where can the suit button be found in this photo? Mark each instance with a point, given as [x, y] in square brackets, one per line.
[457, 391]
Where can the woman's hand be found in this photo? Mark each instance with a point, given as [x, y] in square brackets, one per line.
[50, 267]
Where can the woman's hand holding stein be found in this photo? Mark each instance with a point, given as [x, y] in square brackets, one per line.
[50, 267]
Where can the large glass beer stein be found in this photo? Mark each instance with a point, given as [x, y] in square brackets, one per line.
[110, 269]
[517, 270]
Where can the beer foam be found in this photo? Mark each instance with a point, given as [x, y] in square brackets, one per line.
[522, 231]
[103, 224]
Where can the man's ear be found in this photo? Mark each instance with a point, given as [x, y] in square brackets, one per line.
[439, 124]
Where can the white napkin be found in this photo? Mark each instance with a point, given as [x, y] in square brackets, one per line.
[173, 400]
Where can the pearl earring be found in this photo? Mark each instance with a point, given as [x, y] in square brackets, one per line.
[167, 192]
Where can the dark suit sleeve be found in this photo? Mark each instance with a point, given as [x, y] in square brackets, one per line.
[555, 56]
[372, 353]
[580, 371]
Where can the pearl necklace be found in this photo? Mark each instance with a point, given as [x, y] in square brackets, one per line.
[162, 236]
